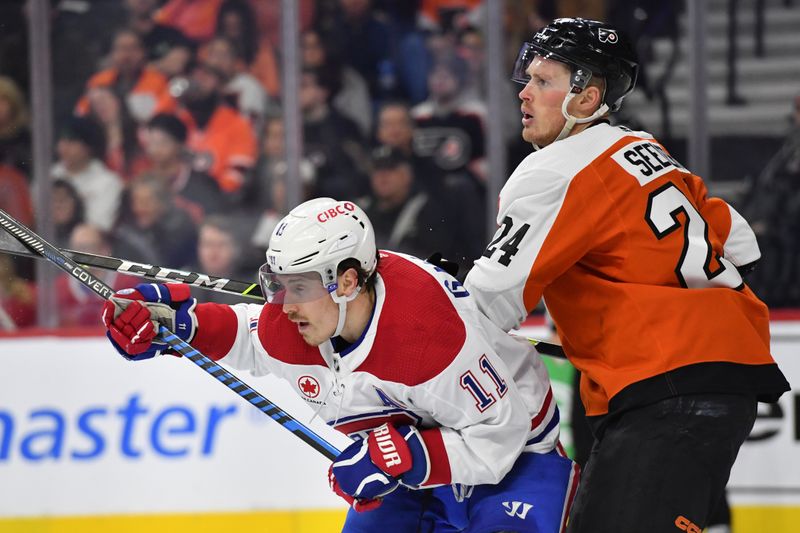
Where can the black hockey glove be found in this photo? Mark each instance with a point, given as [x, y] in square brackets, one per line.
[437, 260]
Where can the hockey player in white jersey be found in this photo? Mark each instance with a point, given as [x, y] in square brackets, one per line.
[454, 421]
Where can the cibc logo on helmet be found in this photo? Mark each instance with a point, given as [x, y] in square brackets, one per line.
[342, 208]
[607, 36]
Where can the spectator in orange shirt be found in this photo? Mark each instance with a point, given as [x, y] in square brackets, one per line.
[222, 140]
[196, 19]
[449, 15]
[168, 50]
[157, 38]
[143, 88]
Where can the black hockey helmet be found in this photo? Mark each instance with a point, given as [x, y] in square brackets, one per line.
[587, 47]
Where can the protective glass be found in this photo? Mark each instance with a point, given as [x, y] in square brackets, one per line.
[531, 50]
[524, 58]
[279, 288]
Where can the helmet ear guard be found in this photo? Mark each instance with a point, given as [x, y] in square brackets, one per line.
[580, 79]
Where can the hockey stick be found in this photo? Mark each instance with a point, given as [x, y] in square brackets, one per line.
[548, 348]
[156, 273]
[203, 281]
[42, 248]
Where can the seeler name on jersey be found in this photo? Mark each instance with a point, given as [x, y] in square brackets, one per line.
[646, 160]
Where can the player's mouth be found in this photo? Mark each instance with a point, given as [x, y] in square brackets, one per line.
[527, 119]
[301, 324]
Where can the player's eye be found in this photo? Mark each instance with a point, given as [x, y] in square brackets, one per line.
[297, 288]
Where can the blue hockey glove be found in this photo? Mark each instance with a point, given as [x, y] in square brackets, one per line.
[354, 474]
[371, 468]
[133, 316]
[359, 504]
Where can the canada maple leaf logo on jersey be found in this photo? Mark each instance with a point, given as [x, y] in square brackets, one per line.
[309, 386]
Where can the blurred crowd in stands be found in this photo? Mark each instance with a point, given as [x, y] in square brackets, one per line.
[169, 135]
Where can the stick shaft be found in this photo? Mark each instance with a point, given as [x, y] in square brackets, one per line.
[204, 281]
[154, 272]
[42, 248]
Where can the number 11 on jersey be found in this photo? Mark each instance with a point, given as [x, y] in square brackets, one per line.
[470, 383]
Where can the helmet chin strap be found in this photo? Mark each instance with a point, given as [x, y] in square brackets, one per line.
[342, 300]
[571, 120]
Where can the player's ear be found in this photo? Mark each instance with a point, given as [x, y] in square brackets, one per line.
[348, 281]
[588, 101]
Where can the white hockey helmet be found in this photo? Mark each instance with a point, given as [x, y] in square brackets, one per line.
[313, 239]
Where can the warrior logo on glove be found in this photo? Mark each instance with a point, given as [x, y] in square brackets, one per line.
[384, 451]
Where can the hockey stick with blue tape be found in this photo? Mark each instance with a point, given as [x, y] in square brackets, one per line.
[42, 248]
[203, 281]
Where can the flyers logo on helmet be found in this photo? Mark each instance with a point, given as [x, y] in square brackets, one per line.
[607, 36]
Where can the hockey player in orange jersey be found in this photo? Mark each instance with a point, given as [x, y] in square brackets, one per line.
[642, 273]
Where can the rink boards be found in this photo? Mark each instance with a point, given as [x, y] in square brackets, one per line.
[90, 442]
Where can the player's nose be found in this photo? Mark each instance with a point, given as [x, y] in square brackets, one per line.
[524, 94]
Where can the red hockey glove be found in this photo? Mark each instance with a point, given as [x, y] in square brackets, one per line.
[133, 316]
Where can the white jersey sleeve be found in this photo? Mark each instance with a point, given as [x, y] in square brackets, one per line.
[243, 354]
[739, 244]
[741, 247]
[501, 280]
